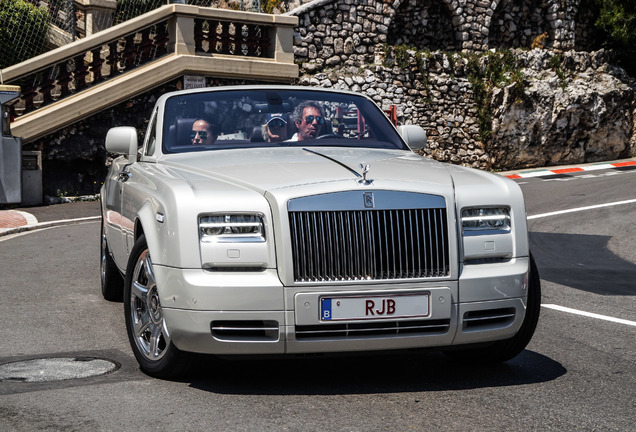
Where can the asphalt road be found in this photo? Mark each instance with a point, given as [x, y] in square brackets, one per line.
[578, 373]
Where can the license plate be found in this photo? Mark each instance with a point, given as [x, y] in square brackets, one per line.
[374, 307]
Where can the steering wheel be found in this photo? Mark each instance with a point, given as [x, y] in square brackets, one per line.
[331, 135]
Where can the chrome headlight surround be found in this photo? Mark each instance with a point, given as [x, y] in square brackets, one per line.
[232, 228]
[485, 220]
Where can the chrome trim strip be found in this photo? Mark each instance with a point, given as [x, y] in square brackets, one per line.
[354, 200]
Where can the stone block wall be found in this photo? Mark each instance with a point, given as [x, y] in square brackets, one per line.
[333, 32]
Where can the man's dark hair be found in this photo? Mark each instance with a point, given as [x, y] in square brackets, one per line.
[214, 129]
[298, 111]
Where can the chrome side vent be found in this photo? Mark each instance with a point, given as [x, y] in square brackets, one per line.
[369, 244]
[245, 331]
[371, 329]
[475, 320]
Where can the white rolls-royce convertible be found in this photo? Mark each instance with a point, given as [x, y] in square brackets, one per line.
[294, 220]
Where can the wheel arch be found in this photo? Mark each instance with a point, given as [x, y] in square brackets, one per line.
[145, 225]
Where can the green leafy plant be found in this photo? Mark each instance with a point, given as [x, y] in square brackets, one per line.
[271, 6]
[397, 55]
[617, 20]
[485, 72]
[15, 16]
[555, 63]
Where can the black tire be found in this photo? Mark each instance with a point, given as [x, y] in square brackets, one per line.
[111, 279]
[507, 349]
[147, 331]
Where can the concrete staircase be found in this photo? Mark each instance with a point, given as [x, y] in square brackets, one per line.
[77, 80]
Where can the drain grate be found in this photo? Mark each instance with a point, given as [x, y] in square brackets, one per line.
[55, 369]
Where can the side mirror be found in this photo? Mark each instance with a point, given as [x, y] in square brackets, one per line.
[122, 140]
[414, 136]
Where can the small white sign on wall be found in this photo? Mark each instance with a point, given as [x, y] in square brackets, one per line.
[193, 82]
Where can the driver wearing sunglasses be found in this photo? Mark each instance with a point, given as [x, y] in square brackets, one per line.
[203, 132]
[308, 120]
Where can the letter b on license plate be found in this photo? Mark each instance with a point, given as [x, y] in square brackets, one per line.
[374, 307]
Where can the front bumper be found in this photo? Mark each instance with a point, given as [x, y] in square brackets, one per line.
[253, 313]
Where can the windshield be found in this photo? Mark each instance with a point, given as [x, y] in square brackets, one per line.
[274, 117]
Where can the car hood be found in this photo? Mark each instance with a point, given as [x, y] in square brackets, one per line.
[271, 169]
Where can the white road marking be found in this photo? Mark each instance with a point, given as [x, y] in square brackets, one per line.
[589, 314]
[560, 212]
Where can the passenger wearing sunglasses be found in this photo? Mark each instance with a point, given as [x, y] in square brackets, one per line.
[275, 128]
[308, 120]
[203, 132]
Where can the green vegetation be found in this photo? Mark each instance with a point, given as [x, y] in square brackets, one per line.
[129, 9]
[617, 20]
[15, 17]
[615, 29]
[485, 72]
[555, 63]
[270, 6]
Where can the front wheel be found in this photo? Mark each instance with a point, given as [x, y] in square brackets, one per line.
[147, 331]
[507, 349]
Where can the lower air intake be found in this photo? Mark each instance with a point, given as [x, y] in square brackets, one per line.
[362, 330]
[245, 331]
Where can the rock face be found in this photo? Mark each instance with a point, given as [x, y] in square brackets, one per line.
[574, 107]
[588, 116]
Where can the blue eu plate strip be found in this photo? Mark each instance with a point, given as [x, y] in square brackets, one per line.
[326, 308]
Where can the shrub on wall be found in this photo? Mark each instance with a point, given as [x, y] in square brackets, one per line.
[17, 17]
[617, 20]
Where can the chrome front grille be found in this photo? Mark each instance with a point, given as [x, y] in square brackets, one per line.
[369, 244]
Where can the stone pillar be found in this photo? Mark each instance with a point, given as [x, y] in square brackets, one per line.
[562, 14]
[181, 30]
[98, 14]
[283, 44]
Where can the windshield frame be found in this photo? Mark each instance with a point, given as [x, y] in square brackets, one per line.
[259, 102]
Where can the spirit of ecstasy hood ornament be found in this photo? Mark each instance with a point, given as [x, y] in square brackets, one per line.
[365, 171]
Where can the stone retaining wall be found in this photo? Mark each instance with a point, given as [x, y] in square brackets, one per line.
[333, 32]
[574, 107]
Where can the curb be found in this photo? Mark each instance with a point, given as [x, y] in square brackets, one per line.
[50, 224]
[567, 170]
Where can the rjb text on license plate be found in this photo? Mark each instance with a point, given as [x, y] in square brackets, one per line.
[374, 307]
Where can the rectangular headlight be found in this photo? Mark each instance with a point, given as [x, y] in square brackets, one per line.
[232, 228]
[485, 220]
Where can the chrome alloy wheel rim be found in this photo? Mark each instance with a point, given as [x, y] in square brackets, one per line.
[149, 328]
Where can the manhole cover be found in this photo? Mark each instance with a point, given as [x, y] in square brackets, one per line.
[55, 369]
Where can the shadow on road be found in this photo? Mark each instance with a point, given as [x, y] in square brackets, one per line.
[582, 262]
[415, 372]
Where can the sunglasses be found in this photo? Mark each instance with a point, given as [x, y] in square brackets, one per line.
[276, 123]
[202, 134]
[310, 119]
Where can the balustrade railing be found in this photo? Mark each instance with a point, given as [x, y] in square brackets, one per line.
[91, 67]
[170, 30]
[223, 37]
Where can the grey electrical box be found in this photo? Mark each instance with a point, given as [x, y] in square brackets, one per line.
[31, 178]
[10, 152]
